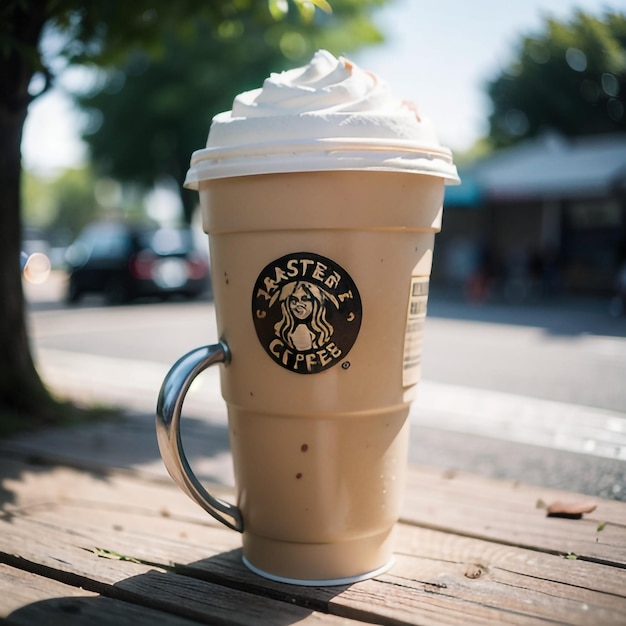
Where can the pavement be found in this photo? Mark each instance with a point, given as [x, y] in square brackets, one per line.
[554, 444]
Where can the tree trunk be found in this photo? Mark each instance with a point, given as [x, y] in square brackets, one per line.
[22, 393]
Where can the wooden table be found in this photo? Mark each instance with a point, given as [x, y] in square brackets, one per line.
[111, 546]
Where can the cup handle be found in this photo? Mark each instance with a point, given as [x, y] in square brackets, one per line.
[168, 413]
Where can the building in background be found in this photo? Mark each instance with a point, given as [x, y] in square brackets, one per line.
[543, 217]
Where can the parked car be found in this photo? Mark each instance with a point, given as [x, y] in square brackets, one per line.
[125, 261]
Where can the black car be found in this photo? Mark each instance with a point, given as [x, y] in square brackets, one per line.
[125, 261]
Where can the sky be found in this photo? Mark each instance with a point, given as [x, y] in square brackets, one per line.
[438, 53]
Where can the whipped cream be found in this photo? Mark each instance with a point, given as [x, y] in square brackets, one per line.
[327, 115]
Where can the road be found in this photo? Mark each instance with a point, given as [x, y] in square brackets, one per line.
[534, 393]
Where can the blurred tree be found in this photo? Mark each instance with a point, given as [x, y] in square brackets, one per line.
[149, 115]
[100, 33]
[38, 207]
[75, 201]
[63, 205]
[570, 78]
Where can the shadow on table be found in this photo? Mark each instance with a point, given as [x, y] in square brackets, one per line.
[127, 444]
[217, 590]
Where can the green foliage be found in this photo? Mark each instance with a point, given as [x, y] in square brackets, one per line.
[102, 33]
[76, 204]
[570, 78]
[149, 114]
[63, 205]
[279, 9]
[480, 149]
[38, 205]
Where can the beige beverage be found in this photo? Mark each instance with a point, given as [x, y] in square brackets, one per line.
[320, 280]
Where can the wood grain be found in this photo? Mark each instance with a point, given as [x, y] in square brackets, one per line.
[469, 551]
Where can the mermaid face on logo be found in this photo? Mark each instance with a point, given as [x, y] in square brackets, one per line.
[307, 312]
[304, 324]
[301, 301]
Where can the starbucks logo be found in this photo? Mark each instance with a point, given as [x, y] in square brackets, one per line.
[307, 312]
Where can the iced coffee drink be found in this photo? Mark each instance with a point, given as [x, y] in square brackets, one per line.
[321, 195]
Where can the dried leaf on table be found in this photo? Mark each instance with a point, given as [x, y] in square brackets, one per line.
[570, 510]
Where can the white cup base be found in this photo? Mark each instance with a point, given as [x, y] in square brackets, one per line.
[319, 583]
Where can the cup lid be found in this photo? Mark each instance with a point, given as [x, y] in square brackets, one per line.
[329, 115]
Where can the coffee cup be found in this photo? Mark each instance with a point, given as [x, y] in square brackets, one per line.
[321, 196]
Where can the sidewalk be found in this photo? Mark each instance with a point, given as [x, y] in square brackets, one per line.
[561, 315]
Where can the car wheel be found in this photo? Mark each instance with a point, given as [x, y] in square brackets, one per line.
[117, 290]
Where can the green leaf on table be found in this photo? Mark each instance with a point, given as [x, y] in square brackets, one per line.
[116, 556]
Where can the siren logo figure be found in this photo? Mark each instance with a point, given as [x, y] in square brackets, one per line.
[307, 312]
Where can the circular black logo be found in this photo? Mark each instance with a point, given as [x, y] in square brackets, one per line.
[307, 312]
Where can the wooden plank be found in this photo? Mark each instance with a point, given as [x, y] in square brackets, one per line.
[29, 599]
[64, 553]
[511, 513]
[123, 514]
[433, 498]
[432, 592]
[21, 588]
[512, 494]
[194, 595]
[447, 600]
[416, 541]
[431, 587]
[505, 512]
[489, 557]
[521, 595]
[516, 583]
[24, 486]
